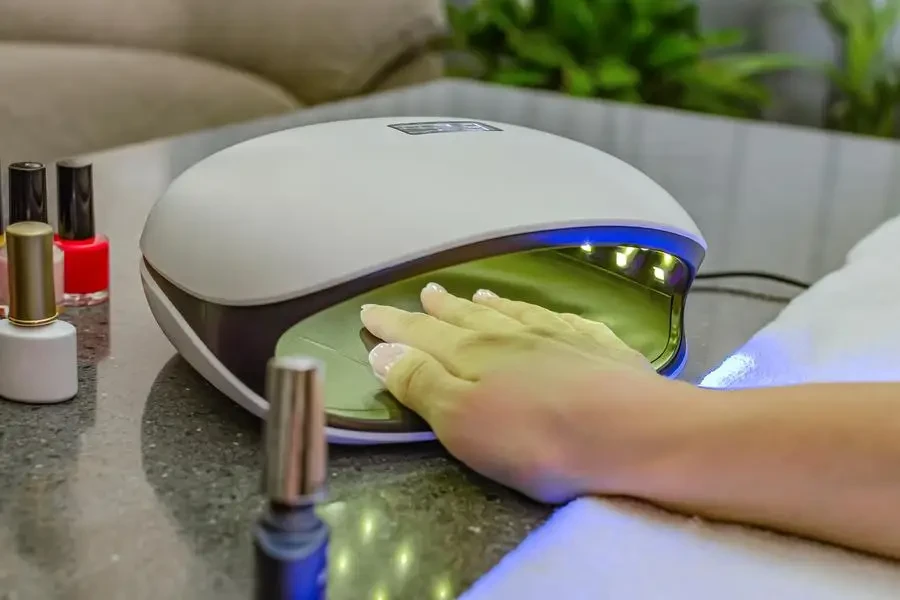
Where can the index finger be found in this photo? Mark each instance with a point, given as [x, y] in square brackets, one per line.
[418, 330]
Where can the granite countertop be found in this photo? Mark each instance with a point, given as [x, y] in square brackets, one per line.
[146, 485]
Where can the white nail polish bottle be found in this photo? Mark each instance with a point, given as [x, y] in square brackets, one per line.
[38, 352]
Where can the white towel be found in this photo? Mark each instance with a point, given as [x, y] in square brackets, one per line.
[844, 328]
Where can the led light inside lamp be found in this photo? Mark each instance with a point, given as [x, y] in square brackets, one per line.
[624, 256]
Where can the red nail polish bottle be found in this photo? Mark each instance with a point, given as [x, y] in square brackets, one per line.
[86, 280]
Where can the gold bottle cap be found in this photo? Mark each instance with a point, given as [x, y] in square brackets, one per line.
[32, 298]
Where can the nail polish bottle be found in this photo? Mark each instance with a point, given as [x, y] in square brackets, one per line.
[291, 540]
[28, 202]
[86, 279]
[38, 352]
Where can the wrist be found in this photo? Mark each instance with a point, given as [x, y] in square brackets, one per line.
[635, 433]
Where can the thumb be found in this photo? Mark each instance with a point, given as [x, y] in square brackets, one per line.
[416, 379]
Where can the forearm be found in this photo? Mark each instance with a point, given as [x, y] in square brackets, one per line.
[821, 461]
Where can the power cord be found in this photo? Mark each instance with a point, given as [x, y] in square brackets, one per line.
[754, 275]
[735, 291]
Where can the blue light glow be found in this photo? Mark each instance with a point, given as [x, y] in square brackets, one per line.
[782, 357]
[734, 368]
[688, 250]
[517, 569]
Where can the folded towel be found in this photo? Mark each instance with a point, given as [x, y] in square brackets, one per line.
[844, 328]
[616, 550]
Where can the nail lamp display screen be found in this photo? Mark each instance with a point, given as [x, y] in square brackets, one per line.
[634, 291]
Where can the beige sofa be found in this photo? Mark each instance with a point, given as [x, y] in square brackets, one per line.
[83, 75]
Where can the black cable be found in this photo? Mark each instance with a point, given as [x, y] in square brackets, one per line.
[731, 291]
[754, 275]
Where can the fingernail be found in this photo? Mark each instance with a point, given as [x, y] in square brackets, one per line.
[384, 356]
[434, 287]
[485, 295]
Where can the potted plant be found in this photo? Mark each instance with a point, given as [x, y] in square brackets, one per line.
[642, 51]
[868, 80]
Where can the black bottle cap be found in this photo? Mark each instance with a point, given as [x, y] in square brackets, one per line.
[75, 192]
[27, 192]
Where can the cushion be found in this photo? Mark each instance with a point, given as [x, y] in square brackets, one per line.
[319, 50]
[59, 100]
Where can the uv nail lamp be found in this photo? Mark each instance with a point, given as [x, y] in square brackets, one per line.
[271, 246]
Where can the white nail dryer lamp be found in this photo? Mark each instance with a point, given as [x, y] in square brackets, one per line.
[272, 245]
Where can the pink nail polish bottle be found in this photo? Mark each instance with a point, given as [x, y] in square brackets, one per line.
[28, 202]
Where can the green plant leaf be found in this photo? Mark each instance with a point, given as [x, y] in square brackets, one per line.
[477, 28]
[540, 48]
[613, 30]
[644, 9]
[854, 14]
[673, 50]
[458, 16]
[752, 64]
[524, 11]
[887, 18]
[712, 103]
[631, 96]
[578, 82]
[839, 79]
[615, 74]
[864, 29]
[680, 15]
[463, 24]
[503, 14]
[833, 17]
[656, 8]
[855, 22]
[713, 79]
[642, 29]
[603, 10]
[724, 38]
[886, 107]
[573, 21]
[521, 77]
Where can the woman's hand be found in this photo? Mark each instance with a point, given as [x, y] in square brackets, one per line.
[507, 386]
[556, 407]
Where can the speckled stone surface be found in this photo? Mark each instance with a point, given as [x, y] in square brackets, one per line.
[145, 486]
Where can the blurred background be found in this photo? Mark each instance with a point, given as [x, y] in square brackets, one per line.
[827, 63]
[78, 76]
